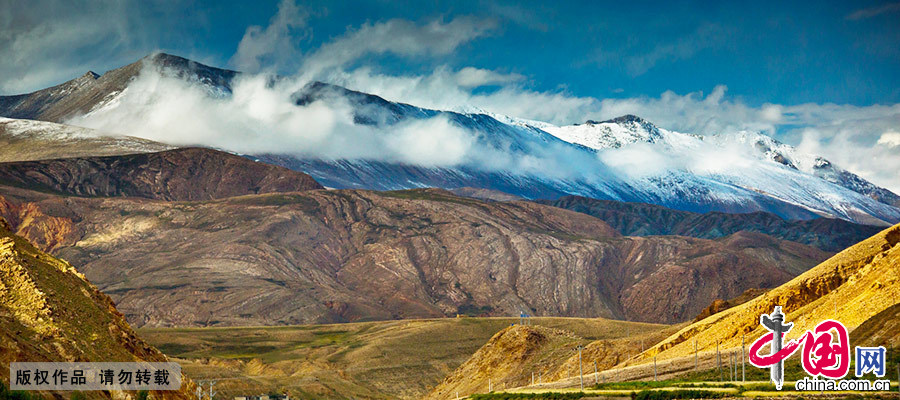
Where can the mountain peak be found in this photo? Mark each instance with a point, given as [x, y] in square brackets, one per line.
[628, 118]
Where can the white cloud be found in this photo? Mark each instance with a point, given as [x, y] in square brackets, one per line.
[890, 139]
[275, 45]
[396, 36]
[262, 118]
[471, 77]
[47, 42]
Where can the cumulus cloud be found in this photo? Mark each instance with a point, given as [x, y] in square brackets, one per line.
[260, 117]
[447, 89]
[65, 37]
[397, 36]
[890, 139]
[274, 46]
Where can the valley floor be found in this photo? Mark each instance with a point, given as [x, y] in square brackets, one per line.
[375, 360]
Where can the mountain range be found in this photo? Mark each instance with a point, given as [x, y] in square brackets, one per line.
[624, 159]
[351, 255]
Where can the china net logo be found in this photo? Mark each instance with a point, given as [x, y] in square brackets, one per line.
[826, 354]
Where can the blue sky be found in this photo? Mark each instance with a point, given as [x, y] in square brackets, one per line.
[779, 52]
[822, 76]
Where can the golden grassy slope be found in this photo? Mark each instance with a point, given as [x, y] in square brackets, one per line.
[508, 359]
[850, 287]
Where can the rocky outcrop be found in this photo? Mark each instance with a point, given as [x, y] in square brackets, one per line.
[180, 174]
[46, 232]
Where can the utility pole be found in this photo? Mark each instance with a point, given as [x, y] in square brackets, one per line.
[696, 360]
[532, 378]
[735, 357]
[743, 365]
[490, 386]
[654, 368]
[733, 366]
[596, 375]
[580, 369]
[719, 361]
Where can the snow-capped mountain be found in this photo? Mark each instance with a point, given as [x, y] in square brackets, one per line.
[627, 158]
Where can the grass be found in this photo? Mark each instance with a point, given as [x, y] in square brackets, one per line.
[678, 394]
[6, 394]
[523, 396]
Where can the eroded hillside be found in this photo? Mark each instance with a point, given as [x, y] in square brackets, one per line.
[331, 256]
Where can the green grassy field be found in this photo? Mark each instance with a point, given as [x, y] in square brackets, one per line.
[386, 359]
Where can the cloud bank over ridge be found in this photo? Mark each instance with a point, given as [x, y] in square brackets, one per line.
[859, 138]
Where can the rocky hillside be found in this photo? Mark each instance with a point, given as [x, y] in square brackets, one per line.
[641, 219]
[332, 256]
[50, 312]
[180, 174]
[852, 287]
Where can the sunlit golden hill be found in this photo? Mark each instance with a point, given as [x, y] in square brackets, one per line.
[852, 287]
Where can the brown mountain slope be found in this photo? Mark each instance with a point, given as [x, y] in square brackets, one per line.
[331, 256]
[640, 219]
[851, 287]
[49, 312]
[180, 174]
[28, 140]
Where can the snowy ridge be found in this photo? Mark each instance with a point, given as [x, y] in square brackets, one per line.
[727, 164]
[626, 158]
